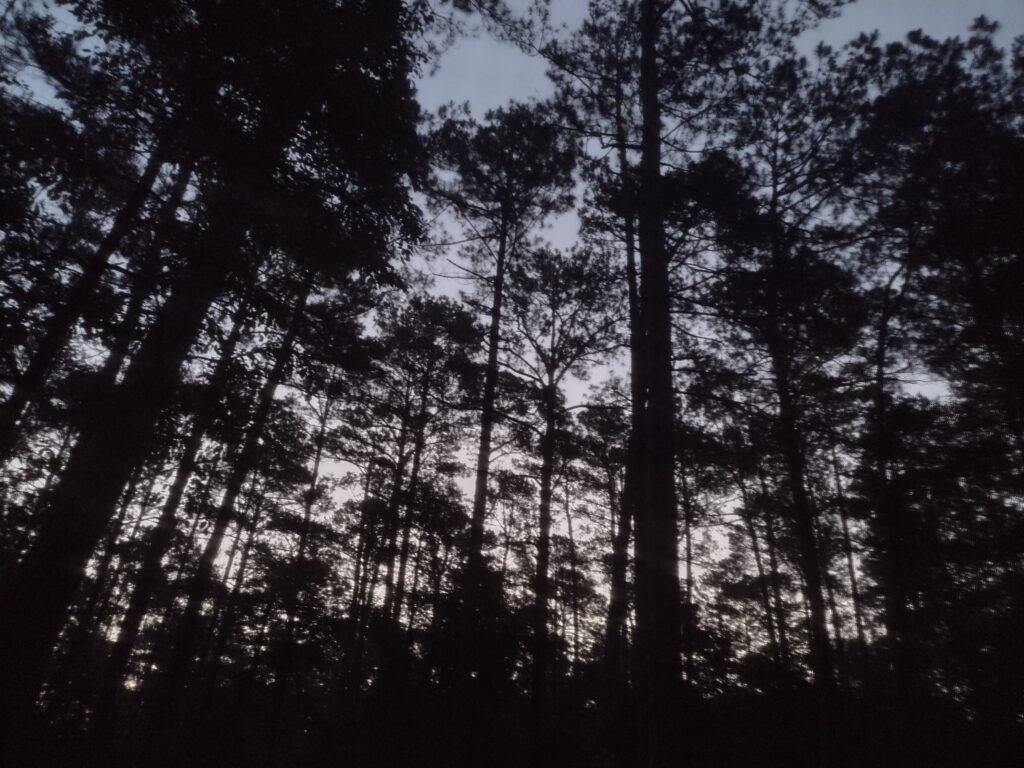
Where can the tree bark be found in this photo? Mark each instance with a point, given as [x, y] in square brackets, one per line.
[145, 277]
[633, 480]
[858, 615]
[769, 619]
[474, 563]
[187, 632]
[657, 577]
[803, 524]
[36, 597]
[542, 583]
[148, 577]
[62, 323]
[419, 441]
[776, 576]
[295, 587]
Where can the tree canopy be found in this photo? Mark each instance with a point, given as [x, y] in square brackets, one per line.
[314, 448]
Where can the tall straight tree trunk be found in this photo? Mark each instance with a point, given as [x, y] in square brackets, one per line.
[413, 598]
[657, 584]
[574, 591]
[474, 564]
[419, 442]
[690, 617]
[617, 646]
[755, 545]
[110, 445]
[542, 583]
[389, 547]
[466, 739]
[826, 574]
[809, 559]
[891, 517]
[803, 525]
[62, 323]
[362, 545]
[633, 480]
[858, 615]
[618, 601]
[776, 577]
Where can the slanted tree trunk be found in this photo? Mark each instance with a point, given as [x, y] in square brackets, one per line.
[187, 632]
[295, 587]
[145, 268]
[62, 323]
[226, 625]
[148, 577]
[36, 596]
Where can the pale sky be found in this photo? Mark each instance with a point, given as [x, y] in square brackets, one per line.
[487, 73]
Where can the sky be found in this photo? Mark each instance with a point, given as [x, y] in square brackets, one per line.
[487, 73]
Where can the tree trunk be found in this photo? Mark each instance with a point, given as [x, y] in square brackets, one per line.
[803, 524]
[146, 268]
[467, 739]
[542, 583]
[657, 577]
[858, 615]
[574, 591]
[148, 577]
[62, 323]
[474, 564]
[690, 615]
[187, 632]
[419, 441]
[389, 547]
[111, 444]
[776, 576]
[891, 520]
[633, 480]
[618, 602]
[769, 620]
[809, 558]
[295, 587]
[227, 621]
